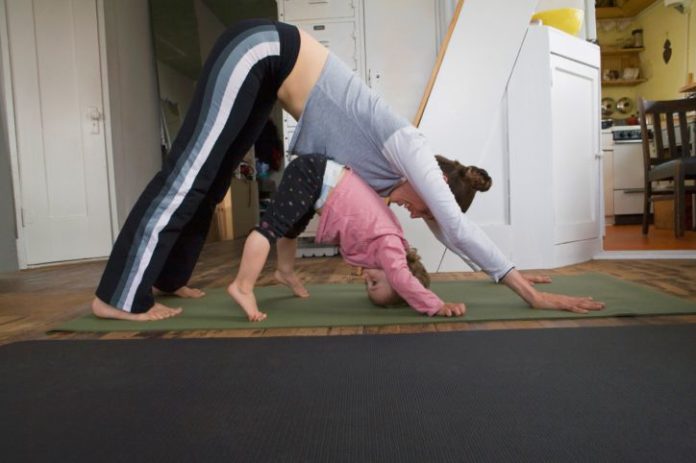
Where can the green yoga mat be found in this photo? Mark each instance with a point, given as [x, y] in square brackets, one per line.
[347, 305]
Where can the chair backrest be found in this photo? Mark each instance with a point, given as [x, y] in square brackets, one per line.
[652, 115]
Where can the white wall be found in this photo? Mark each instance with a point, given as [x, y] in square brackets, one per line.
[175, 87]
[209, 28]
[134, 104]
[399, 57]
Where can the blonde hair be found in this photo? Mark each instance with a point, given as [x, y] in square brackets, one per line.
[418, 270]
[464, 181]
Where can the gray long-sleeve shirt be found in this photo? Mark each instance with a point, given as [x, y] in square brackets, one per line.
[346, 121]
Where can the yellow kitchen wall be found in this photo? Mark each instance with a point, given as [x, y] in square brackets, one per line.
[658, 23]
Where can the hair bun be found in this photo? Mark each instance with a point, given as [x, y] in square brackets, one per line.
[478, 178]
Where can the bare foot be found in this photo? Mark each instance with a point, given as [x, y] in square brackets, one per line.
[157, 312]
[183, 292]
[292, 282]
[247, 300]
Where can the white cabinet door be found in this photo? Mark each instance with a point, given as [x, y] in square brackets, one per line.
[54, 53]
[295, 10]
[339, 37]
[576, 150]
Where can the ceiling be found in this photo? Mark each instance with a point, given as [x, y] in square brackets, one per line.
[175, 28]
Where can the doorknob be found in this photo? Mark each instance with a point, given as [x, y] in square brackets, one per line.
[94, 113]
[94, 116]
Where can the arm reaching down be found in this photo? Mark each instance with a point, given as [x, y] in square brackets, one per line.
[409, 153]
[391, 257]
[541, 300]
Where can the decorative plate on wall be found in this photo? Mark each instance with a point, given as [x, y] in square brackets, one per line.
[624, 105]
[608, 105]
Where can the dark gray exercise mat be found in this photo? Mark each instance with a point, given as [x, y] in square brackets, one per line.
[557, 395]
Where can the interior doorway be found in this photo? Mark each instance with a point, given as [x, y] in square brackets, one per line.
[59, 144]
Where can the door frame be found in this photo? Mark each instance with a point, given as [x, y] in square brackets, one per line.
[8, 106]
[8, 110]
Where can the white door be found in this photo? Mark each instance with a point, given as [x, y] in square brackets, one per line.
[576, 149]
[57, 95]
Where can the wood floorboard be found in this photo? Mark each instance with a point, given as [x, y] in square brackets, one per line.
[631, 238]
[32, 302]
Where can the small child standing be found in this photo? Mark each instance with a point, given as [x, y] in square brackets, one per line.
[354, 217]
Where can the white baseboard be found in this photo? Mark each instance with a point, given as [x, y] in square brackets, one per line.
[620, 255]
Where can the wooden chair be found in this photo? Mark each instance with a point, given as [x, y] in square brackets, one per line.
[674, 162]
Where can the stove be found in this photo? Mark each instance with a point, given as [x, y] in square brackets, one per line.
[626, 134]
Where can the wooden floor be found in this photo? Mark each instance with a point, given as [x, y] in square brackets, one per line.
[631, 238]
[34, 301]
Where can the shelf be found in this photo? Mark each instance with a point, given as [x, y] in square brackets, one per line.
[628, 9]
[688, 88]
[620, 51]
[622, 82]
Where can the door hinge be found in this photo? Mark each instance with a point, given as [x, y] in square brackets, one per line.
[21, 214]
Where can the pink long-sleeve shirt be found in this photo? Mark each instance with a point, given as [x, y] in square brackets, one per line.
[368, 233]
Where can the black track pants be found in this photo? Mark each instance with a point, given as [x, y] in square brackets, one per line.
[165, 231]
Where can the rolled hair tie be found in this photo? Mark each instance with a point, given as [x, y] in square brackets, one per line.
[464, 181]
[478, 178]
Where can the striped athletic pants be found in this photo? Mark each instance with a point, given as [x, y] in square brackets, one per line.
[164, 233]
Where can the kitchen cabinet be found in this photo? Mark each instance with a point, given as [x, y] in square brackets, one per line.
[554, 150]
[628, 179]
[338, 25]
[393, 56]
[300, 10]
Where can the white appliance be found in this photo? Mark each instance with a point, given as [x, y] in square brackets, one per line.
[628, 171]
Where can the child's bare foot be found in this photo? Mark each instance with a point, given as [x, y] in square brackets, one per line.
[291, 281]
[247, 300]
[157, 312]
[183, 292]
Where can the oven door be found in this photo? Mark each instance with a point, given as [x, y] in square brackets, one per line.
[628, 166]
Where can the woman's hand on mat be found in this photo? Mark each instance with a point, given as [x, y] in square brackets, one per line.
[540, 300]
[451, 309]
[568, 303]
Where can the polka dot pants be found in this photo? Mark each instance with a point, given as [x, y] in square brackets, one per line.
[292, 206]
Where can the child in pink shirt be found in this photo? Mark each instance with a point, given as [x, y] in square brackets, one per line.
[353, 217]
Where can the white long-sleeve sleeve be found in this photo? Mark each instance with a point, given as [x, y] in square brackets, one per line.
[409, 153]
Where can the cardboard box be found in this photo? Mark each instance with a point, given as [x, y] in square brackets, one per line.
[244, 205]
[663, 212]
